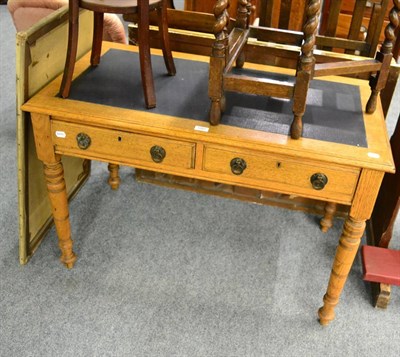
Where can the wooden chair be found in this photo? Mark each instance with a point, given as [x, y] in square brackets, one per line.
[99, 7]
[228, 49]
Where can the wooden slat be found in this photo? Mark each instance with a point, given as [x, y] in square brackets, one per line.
[266, 13]
[284, 17]
[180, 40]
[346, 67]
[237, 39]
[268, 34]
[287, 57]
[297, 15]
[375, 26]
[258, 86]
[333, 16]
[276, 10]
[185, 20]
[356, 22]
[342, 43]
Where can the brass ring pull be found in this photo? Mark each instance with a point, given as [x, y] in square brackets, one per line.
[157, 153]
[318, 181]
[238, 165]
[83, 141]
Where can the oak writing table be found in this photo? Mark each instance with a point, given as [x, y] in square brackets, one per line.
[104, 119]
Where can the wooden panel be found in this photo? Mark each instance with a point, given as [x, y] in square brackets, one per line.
[279, 171]
[110, 144]
[40, 53]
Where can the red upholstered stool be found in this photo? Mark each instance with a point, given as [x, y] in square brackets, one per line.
[381, 265]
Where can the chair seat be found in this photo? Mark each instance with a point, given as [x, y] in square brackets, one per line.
[116, 6]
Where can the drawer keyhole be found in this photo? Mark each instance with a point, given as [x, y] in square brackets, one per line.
[157, 153]
[318, 181]
[238, 165]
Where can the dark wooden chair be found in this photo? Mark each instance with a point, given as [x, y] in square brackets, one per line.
[228, 48]
[139, 7]
[227, 51]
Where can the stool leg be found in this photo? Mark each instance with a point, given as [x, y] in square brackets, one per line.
[73, 28]
[144, 54]
[163, 30]
[97, 38]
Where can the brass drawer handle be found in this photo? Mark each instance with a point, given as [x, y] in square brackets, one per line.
[83, 141]
[318, 181]
[238, 165]
[157, 153]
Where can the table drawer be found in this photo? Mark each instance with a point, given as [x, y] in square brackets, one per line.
[283, 174]
[109, 144]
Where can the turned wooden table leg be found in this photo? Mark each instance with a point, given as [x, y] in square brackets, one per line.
[345, 253]
[114, 180]
[327, 221]
[353, 229]
[54, 175]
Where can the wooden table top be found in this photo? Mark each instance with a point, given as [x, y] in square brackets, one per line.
[376, 156]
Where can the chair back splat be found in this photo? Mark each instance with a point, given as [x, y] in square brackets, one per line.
[125, 7]
[279, 25]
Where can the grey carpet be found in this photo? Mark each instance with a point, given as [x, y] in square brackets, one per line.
[164, 272]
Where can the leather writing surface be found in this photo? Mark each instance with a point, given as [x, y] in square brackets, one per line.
[333, 113]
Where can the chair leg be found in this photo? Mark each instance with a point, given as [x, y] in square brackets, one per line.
[305, 67]
[378, 82]
[218, 60]
[163, 30]
[144, 54]
[303, 78]
[97, 38]
[73, 29]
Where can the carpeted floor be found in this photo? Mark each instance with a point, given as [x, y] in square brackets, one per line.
[163, 272]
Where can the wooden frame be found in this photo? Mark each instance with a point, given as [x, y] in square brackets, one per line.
[40, 45]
